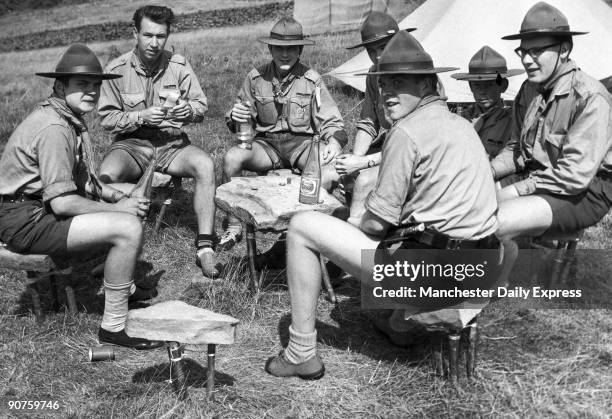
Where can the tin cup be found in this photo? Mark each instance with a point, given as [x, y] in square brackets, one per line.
[101, 353]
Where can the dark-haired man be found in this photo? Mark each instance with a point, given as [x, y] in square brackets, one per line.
[46, 169]
[561, 139]
[146, 110]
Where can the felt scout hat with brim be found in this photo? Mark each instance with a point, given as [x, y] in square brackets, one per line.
[287, 31]
[543, 19]
[487, 64]
[376, 27]
[79, 60]
[405, 55]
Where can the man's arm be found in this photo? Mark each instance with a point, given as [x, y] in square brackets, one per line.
[583, 148]
[373, 225]
[327, 117]
[194, 95]
[368, 125]
[244, 95]
[71, 204]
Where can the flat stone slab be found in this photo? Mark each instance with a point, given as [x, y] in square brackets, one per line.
[176, 321]
[269, 202]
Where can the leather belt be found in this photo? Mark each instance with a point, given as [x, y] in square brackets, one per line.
[11, 199]
[439, 240]
[604, 176]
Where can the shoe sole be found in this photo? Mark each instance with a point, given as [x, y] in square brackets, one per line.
[101, 342]
[314, 376]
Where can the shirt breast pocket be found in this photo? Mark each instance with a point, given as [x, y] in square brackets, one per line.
[266, 110]
[133, 101]
[299, 111]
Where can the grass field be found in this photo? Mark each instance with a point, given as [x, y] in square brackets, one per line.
[533, 363]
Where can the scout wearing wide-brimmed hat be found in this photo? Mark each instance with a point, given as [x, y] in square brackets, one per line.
[376, 31]
[286, 103]
[433, 171]
[42, 209]
[488, 78]
[562, 136]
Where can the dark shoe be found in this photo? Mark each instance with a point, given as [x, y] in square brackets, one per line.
[206, 262]
[122, 339]
[279, 366]
[229, 239]
[143, 294]
[401, 339]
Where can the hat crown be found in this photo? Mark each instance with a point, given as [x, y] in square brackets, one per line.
[377, 26]
[544, 17]
[404, 51]
[487, 61]
[287, 28]
[78, 58]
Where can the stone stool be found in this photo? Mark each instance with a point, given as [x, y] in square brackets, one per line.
[39, 267]
[183, 326]
[267, 203]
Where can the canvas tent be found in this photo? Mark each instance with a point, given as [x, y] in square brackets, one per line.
[319, 16]
[453, 30]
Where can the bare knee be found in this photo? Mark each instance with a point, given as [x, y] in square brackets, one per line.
[127, 230]
[301, 227]
[365, 181]
[202, 167]
[233, 161]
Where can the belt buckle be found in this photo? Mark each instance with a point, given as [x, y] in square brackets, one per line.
[453, 244]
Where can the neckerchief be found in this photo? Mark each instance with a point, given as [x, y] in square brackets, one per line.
[480, 120]
[88, 172]
[150, 73]
[280, 88]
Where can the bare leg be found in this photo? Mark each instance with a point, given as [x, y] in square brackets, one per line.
[523, 216]
[193, 162]
[364, 184]
[309, 234]
[237, 158]
[119, 166]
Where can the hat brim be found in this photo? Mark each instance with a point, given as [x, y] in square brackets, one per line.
[488, 76]
[101, 76]
[533, 34]
[370, 41]
[281, 42]
[434, 70]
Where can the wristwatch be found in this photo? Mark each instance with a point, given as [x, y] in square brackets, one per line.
[371, 162]
[139, 119]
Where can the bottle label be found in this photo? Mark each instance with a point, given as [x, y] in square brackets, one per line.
[309, 186]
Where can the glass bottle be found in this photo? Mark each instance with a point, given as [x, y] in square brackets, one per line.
[144, 186]
[310, 183]
[245, 132]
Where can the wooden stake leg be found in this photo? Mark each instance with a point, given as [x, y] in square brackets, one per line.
[471, 356]
[453, 355]
[178, 378]
[326, 281]
[252, 253]
[210, 379]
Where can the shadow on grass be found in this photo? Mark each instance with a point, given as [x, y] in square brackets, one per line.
[195, 373]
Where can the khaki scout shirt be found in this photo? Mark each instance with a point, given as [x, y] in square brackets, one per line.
[493, 126]
[372, 117]
[40, 156]
[302, 105]
[434, 171]
[563, 136]
[122, 98]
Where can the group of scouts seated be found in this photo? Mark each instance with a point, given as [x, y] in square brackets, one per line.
[413, 161]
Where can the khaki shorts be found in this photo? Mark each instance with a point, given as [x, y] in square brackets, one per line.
[284, 149]
[164, 150]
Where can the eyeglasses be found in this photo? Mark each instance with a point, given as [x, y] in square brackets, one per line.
[534, 52]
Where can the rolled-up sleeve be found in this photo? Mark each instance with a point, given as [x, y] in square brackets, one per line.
[368, 119]
[193, 93]
[583, 149]
[56, 161]
[327, 116]
[390, 194]
[110, 107]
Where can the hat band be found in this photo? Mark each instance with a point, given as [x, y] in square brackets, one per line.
[377, 36]
[79, 69]
[282, 37]
[414, 65]
[488, 70]
[563, 28]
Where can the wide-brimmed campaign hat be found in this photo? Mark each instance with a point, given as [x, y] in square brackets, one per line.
[544, 19]
[376, 27]
[487, 64]
[79, 60]
[287, 31]
[405, 55]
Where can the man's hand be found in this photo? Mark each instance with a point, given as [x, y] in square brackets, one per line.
[181, 112]
[331, 150]
[136, 206]
[241, 112]
[350, 163]
[152, 116]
